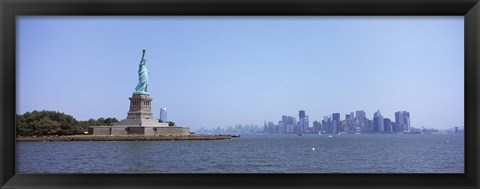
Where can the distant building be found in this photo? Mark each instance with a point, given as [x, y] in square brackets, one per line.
[289, 122]
[347, 116]
[350, 116]
[349, 123]
[303, 122]
[361, 120]
[281, 128]
[301, 114]
[336, 116]
[334, 126]
[360, 114]
[394, 127]
[265, 126]
[327, 126]
[387, 123]
[336, 123]
[402, 121]
[344, 125]
[378, 122]
[163, 114]
[317, 127]
[290, 128]
[271, 129]
[369, 125]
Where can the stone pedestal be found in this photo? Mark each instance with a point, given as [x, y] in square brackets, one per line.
[140, 113]
[140, 107]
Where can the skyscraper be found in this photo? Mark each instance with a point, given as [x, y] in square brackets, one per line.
[369, 126]
[163, 114]
[378, 122]
[387, 123]
[271, 128]
[301, 114]
[349, 122]
[317, 126]
[402, 121]
[347, 117]
[306, 123]
[289, 123]
[334, 126]
[336, 116]
[302, 121]
[327, 126]
[361, 120]
[360, 114]
[281, 129]
[336, 123]
[265, 126]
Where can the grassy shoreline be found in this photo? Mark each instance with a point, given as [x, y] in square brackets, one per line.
[121, 138]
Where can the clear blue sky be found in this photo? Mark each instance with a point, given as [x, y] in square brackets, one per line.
[220, 71]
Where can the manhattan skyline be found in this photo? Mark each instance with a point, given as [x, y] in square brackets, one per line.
[215, 71]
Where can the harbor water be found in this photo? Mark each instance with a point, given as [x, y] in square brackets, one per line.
[350, 153]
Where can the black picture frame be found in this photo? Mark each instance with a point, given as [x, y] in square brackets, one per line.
[9, 9]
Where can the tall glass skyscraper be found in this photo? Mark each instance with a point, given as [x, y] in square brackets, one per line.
[163, 114]
[303, 121]
[402, 121]
[378, 121]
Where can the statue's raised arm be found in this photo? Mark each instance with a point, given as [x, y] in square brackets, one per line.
[143, 55]
[142, 86]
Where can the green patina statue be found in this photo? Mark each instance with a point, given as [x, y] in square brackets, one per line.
[142, 86]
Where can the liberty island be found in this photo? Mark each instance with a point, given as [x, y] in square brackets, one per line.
[140, 120]
[139, 125]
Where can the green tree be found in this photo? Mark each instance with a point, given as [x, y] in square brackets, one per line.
[55, 123]
[46, 126]
[91, 122]
[110, 120]
[100, 121]
[47, 123]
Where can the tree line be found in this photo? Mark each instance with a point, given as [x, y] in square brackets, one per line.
[45, 122]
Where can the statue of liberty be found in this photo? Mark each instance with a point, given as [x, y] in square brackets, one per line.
[142, 86]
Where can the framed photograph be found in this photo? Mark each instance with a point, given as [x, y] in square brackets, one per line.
[258, 94]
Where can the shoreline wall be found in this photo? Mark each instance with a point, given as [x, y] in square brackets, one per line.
[122, 138]
[138, 130]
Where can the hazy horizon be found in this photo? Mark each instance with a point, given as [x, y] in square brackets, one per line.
[220, 71]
